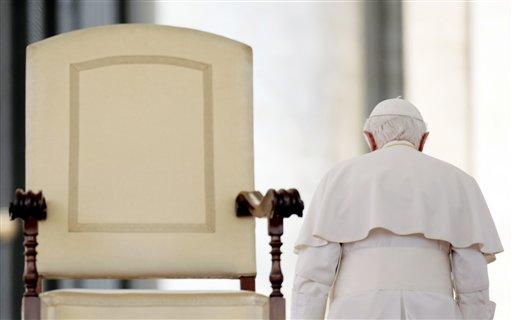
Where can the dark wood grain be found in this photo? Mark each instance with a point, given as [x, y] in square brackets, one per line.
[248, 283]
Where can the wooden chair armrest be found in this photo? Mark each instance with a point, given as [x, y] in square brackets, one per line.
[275, 206]
[31, 208]
[283, 203]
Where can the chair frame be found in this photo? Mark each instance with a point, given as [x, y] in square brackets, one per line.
[275, 206]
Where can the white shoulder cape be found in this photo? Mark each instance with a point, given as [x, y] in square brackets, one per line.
[404, 191]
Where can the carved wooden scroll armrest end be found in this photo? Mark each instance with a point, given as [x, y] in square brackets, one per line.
[28, 204]
[283, 203]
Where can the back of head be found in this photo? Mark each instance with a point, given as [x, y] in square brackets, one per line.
[395, 119]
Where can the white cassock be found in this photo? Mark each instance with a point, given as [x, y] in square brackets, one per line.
[393, 234]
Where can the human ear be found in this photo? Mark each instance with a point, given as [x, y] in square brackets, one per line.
[422, 141]
[371, 140]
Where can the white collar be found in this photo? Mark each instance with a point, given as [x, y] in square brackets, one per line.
[399, 142]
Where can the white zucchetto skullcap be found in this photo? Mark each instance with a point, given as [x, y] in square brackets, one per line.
[398, 107]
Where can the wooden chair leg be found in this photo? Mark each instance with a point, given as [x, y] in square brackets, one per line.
[31, 305]
[31, 308]
[277, 308]
[275, 206]
[277, 302]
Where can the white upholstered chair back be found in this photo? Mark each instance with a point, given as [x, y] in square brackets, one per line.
[141, 138]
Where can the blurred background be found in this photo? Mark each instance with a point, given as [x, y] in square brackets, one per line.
[319, 68]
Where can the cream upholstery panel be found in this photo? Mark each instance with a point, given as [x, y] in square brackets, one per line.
[140, 137]
[138, 304]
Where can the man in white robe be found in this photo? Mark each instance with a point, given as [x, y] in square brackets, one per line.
[394, 233]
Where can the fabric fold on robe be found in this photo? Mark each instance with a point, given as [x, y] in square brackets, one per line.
[404, 191]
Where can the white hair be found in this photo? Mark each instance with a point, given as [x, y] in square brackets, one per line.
[388, 128]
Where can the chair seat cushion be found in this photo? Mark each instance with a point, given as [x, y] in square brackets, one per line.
[152, 304]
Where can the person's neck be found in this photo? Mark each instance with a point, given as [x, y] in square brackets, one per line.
[399, 142]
